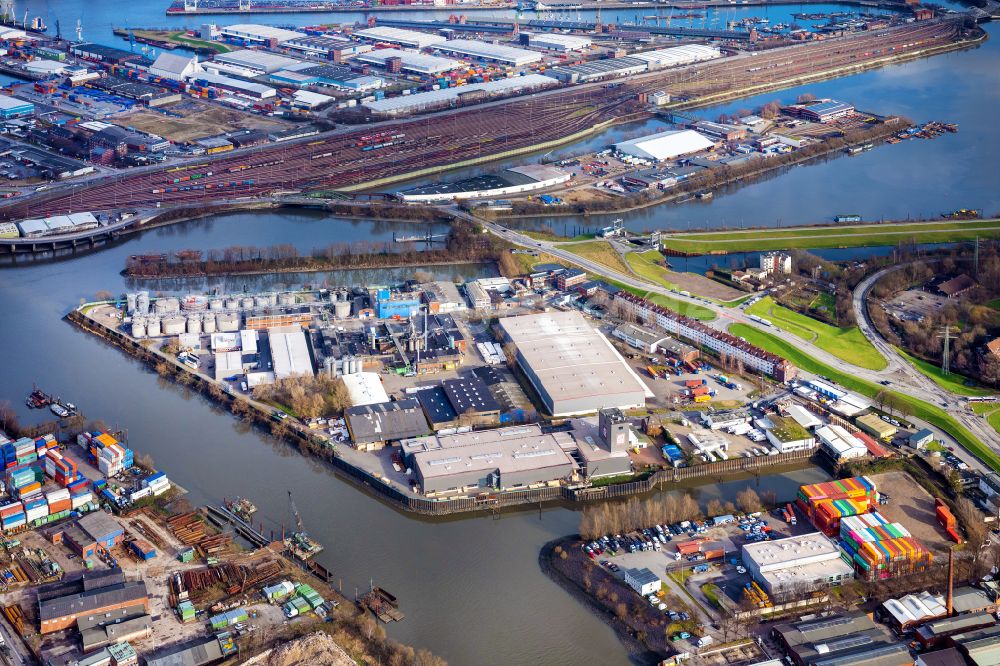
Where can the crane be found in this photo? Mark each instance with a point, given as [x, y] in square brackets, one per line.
[295, 514]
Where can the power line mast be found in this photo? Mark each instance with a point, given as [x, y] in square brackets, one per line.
[946, 354]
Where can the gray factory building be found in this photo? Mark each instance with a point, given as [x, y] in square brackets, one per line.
[574, 368]
[503, 459]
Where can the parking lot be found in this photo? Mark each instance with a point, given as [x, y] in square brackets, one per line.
[914, 305]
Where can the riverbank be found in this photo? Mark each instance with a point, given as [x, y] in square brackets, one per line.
[350, 461]
[829, 236]
[721, 176]
[567, 573]
[690, 104]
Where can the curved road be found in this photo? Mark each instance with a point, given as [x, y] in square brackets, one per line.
[904, 377]
[900, 367]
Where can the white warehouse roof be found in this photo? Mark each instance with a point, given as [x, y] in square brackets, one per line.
[665, 145]
[679, 55]
[398, 36]
[289, 351]
[841, 443]
[259, 32]
[484, 50]
[364, 388]
[558, 42]
[501, 86]
[413, 61]
[791, 552]
[259, 60]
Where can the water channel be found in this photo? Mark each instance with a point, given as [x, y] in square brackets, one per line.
[471, 587]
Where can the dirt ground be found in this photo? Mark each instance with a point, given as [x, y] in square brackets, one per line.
[200, 120]
[315, 648]
[913, 507]
[703, 286]
[914, 304]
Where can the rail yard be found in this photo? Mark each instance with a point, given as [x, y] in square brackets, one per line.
[340, 160]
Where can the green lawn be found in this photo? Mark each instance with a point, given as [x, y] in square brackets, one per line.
[687, 309]
[552, 236]
[848, 344]
[644, 264]
[992, 412]
[834, 236]
[917, 408]
[994, 304]
[599, 251]
[951, 382]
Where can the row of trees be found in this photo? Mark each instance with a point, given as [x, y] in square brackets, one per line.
[634, 513]
[463, 244]
[306, 395]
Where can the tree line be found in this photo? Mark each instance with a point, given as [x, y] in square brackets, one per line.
[463, 245]
[634, 513]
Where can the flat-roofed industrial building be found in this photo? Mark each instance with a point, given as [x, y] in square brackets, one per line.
[289, 351]
[574, 368]
[411, 61]
[473, 48]
[250, 62]
[505, 458]
[254, 33]
[797, 564]
[413, 38]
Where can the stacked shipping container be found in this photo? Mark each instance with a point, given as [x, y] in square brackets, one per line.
[826, 504]
[880, 549]
[946, 519]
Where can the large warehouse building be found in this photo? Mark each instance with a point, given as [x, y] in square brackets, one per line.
[249, 63]
[509, 181]
[289, 351]
[473, 48]
[258, 35]
[504, 459]
[474, 92]
[412, 38]
[574, 368]
[411, 61]
[796, 565]
[678, 55]
[664, 145]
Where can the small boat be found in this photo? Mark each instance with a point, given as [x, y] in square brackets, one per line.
[242, 507]
[59, 410]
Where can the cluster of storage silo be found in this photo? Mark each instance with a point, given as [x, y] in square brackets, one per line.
[166, 306]
[346, 365]
[174, 324]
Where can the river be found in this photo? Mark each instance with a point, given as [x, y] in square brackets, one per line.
[471, 587]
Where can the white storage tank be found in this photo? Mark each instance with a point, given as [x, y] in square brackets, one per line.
[142, 302]
[194, 323]
[247, 303]
[232, 304]
[272, 298]
[138, 327]
[130, 300]
[261, 301]
[208, 325]
[194, 303]
[286, 299]
[167, 305]
[174, 325]
[216, 304]
[227, 322]
[153, 327]
[342, 309]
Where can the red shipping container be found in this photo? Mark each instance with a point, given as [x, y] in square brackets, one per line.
[17, 508]
[61, 505]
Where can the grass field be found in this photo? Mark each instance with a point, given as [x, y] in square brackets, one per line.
[599, 251]
[918, 408]
[687, 309]
[644, 264]
[848, 344]
[550, 236]
[951, 382]
[840, 236]
[992, 412]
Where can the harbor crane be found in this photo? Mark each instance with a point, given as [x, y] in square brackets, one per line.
[299, 528]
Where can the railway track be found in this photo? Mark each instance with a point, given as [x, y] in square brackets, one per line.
[339, 161]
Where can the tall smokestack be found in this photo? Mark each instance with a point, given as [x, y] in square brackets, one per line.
[951, 579]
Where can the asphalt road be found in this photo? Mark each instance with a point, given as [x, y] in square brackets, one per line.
[903, 377]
